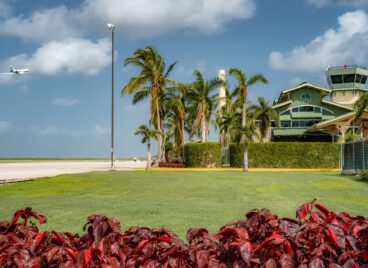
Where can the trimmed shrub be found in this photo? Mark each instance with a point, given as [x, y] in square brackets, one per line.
[206, 154]
[287, 155]
[363, 175]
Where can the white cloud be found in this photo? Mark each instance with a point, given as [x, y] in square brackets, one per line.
[4, 126]
[346, 45]
[98, 130]
[54, 131]
[134, 18]
[49, 131]
[64, 101]
[72, 56]
[318, 3]
[24, 89]
[45, 24]
[142, 18]
[295, 81]
[4, 10]
[350, 3]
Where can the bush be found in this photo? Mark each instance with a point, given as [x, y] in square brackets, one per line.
[171, 164]
[363, 174]
[287, 155]
[317, 238]
[206, 154]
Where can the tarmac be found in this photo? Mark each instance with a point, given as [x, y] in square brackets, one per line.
[14, 172]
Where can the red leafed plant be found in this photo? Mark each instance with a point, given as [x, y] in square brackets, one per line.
[317, 238]
[172, 164]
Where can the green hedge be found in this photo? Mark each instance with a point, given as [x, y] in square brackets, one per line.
[287, 155]
[202, 154]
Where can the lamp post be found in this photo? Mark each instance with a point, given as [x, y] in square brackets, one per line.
[112, 28]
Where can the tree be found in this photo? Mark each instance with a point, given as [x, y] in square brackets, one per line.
[147, 134]
[152, 81]
[264, 114]
[247, 133]
[360, 106]
[201, 104]
[240, 93]
[175, 118]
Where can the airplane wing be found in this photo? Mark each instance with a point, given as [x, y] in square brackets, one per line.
[6, 73]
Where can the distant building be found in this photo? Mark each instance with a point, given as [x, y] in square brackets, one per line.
[311, 113]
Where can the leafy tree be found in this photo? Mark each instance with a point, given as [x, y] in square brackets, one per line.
[241, 92]
[264, 114]
[152, 82]
[201, 104]
[147, 134]
[360, 106]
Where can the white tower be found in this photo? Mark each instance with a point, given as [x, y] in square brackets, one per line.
[221, 90]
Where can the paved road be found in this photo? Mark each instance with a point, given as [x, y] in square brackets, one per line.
[11, 172]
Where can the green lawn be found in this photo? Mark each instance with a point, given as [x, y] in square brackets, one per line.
[179, 200]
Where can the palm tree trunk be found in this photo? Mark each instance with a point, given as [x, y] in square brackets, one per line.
[163, 154]
[244, 123]
[158, 122]
[148, 157]
[203, 129]
[245, 163]
[182, 139]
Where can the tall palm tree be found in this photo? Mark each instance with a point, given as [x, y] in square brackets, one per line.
[147, 134]
[151, 82]
[241, 92]
[201, 104]
[264, 114]
[175, 118]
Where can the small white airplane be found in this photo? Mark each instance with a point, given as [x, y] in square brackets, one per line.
[16, 71]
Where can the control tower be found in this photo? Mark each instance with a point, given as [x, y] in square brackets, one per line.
[347, 83]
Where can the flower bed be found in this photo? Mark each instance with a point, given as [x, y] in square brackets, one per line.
[316, 238]
[171, 164]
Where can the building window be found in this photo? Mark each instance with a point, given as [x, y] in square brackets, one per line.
[295, 109]
[327, 112]
[285, 124]
[306, 109]
[306, 97]
[296, 123]
[336, 79]
[317, 109]
[285, 112]
[364, 79]
[348, 78]
[358, 77]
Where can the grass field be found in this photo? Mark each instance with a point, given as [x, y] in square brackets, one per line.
[179, 200]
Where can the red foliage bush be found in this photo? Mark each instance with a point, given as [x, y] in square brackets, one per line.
[172, 164]
[317, 238]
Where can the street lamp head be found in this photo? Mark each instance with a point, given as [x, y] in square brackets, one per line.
[111, 26]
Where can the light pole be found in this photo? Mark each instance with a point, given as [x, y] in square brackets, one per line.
[112, 28]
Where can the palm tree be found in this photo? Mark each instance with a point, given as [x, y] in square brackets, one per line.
[147, 134]
[151, 82]
[241, 92]
[201, 104]
[175, 118]
[264, 114]
[247, 133]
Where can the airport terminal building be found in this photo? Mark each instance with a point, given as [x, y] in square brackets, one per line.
[311, 113]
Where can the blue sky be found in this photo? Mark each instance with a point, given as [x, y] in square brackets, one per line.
[62, 107]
